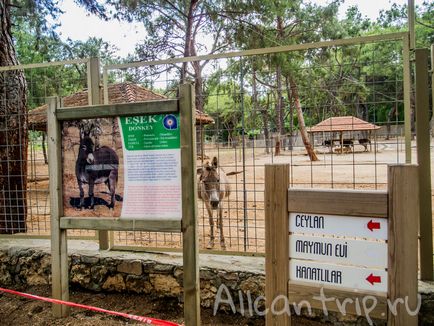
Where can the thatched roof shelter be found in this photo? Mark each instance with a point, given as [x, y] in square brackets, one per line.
[118, 93]
[342, 124]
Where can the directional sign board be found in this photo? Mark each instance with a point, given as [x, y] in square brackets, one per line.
[349, 277]
[348, 226]
[341, 251]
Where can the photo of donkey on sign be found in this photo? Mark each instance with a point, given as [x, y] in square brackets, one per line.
[92, 167]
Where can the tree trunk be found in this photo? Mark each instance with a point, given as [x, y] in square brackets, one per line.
[188, 37]
[13, 133]
[199, 100]
[390, 115]
[279, 110]
[266, 120]
[44, 149]
[296, 100]
[291, 116]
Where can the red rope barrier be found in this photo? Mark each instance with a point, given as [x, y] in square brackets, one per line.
[146, 320]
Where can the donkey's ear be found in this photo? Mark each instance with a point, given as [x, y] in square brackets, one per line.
[81, 132]
[214, 162]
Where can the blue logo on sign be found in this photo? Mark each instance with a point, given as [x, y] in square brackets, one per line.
[170, 122]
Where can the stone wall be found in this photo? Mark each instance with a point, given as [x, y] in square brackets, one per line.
[161, 275]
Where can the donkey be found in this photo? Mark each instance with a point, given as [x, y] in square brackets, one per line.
[213, 187]
[365, 142]
[94, 166]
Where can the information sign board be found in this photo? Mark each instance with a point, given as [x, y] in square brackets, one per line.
[152, 165]
[128, 167]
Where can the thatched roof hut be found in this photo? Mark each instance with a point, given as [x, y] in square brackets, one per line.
[118, 93]
[342, 124]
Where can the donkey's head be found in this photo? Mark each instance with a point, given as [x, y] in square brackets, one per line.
[209, 178]
[87, 147]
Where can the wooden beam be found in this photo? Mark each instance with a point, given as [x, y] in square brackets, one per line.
[403, 242]
[116, 110]
[262, 51]
[189, 206]
[424, 161]
[338, 202]
[100, 223]
[44, 64]
[276, 241]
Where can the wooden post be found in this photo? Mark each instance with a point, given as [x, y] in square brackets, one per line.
[59, 253]
[189, 206]
[94, 98]
[411, 23]
[276, 241]
[424, 161]
[402, 243]
[432, 88]
[407, 97]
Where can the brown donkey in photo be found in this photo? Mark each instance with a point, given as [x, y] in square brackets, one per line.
[213, 187]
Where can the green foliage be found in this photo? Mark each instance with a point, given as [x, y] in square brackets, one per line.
[363, 80]
[36, 40]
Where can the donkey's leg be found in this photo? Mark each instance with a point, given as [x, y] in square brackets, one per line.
[92, 199]
[111, 183]
[220, 226]
[211, 225]
[80, 187]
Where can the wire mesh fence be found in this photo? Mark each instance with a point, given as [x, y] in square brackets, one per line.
[24, 126]
[334, 113]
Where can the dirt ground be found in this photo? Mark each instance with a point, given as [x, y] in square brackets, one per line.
[15, 310]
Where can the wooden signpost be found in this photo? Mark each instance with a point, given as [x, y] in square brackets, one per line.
[349, 245]
[132, 219]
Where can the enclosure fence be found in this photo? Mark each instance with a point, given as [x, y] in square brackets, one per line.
[259, 100]
[24, 178]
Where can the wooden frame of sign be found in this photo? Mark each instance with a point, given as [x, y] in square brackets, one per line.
[300, 274]
[187, 225]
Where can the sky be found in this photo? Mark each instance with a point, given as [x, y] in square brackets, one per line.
[76, 24]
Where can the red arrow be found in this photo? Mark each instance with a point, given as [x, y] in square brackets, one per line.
[373, 279]
[373, 225]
